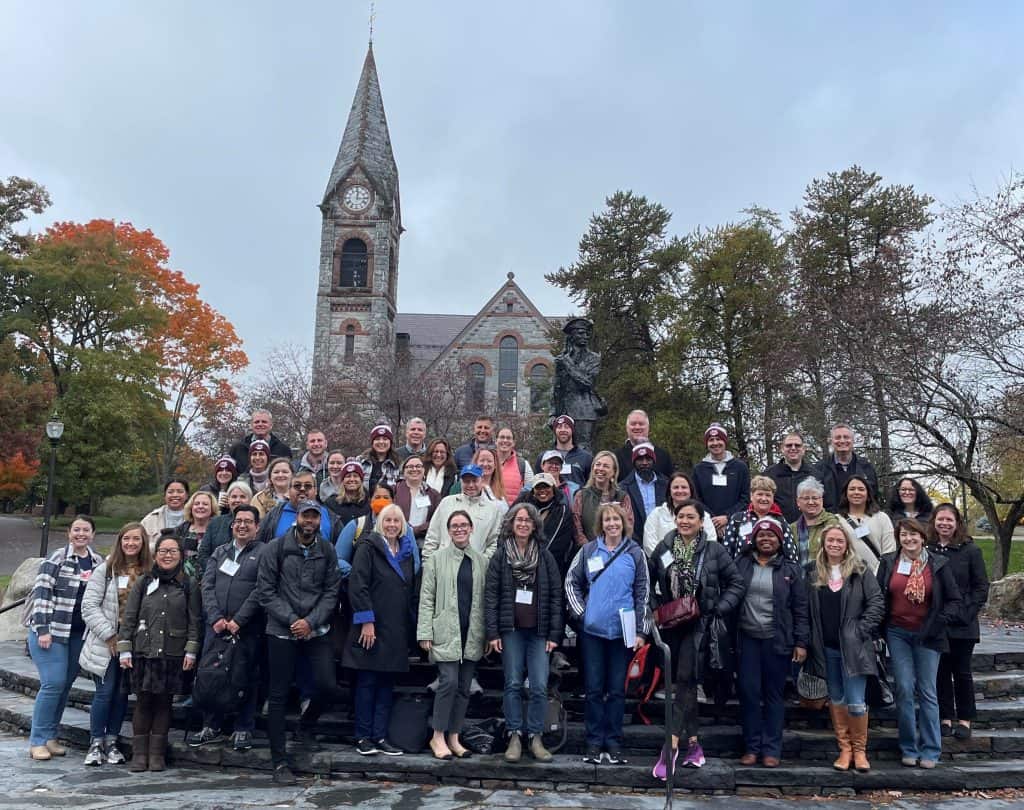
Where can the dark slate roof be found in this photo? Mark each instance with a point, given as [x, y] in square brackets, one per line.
[366, 141]
[430, 329]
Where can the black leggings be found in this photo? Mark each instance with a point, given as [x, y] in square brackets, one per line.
[955, 682]
[684, 704]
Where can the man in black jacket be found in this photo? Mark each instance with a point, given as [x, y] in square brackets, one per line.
[261, 424]
[231, 606]
[638, 429]
[645, 486]
[575, 460]
[788, 474]
[298, 589]
[836, 470]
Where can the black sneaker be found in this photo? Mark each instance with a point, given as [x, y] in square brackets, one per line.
[208, 736]
[283, 775]
[962, 732]
[388, 750]
[615, 757]
[592, 755]
[242, 740]
[366, 748]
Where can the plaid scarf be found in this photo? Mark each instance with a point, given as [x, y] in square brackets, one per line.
[915, 582]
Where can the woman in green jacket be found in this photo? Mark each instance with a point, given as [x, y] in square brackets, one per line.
[451, 629]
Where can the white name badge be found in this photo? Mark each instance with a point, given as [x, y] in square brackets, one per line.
[903, 568]
[524, 597]
[422, 500]
[746, 529]
[152, 587]
[566, 469]
[122, 582]
[861, 531]
[667, 559]
[229, 567]
[719, 480]
[594, 564]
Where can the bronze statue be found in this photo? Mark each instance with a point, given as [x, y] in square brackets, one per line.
[576, 370]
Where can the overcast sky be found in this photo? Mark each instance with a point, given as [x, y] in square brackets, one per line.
[216, 124]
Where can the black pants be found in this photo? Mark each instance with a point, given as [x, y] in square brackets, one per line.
[685, 722]
[282, 655]
[956, 682]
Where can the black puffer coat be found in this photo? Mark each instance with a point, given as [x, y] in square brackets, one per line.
[500, 597]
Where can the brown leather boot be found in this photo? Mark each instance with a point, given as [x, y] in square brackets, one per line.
[841, 726]
[859, 742]
[158, 734]
[142, 722]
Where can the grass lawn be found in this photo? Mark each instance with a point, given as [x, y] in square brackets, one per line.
[987, 546]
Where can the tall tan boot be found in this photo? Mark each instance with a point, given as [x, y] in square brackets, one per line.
[859, 742]
[841, 725]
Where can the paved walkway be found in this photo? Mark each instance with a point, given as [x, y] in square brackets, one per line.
[65, 782]
[20, 536]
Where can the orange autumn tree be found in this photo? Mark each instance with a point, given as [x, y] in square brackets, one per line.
[101, 295]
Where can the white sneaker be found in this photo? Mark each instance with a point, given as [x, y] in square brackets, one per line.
[96, 755]
[701, 697]
[660, 694]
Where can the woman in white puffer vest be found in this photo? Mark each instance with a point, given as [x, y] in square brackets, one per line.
[102, 610]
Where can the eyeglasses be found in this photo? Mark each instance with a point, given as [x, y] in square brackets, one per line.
[168, 552]
[243, 522]
[809, 498]
[460, 527]
[303, 486]
[795, 445]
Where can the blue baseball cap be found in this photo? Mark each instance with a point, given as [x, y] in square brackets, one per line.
[471, 469]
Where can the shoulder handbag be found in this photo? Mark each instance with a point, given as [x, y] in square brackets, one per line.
[680, 611]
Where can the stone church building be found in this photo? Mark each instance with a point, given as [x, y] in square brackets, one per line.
[503, 352]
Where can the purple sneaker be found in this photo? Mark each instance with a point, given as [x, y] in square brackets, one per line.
[694, 756]
[660, 770]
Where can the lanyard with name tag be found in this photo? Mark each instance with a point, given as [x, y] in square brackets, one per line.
[594, 564]
[229, 567]
[904, 568]
[861, 531]
[667, 559]
[151, 588]
[746, 529]
[122, 582]
[524, 597]
[719, 480]
[422, 501]
[566, 469]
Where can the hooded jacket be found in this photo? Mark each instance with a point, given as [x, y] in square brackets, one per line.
[731, 497]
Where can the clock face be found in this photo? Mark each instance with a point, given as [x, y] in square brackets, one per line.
[356, 198]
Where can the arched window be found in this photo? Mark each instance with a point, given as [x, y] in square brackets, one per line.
[350, 342]
[353, 264]
[540, 388]
[508, 372]
[475, 380]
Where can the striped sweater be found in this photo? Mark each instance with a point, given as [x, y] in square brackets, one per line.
[54, 594]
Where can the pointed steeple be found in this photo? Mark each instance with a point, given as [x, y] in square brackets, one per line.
[366, 142]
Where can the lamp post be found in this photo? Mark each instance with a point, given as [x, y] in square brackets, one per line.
[54, 430]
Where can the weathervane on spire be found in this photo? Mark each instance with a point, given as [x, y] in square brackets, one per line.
[373, 16]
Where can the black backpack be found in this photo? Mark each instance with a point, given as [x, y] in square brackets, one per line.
[221, 677]
[409, 727]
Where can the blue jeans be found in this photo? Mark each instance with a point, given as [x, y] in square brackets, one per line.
[915, 668]
[58, 668]
[604, 662]
[110, 705]
[525, 653]
[374, 697]
[761, 684]
[843, 688]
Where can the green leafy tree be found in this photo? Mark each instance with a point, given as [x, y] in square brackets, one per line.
[18, 198]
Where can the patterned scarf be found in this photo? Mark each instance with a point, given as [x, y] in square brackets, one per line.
[524, 565]
[915, 582]
[683, 573]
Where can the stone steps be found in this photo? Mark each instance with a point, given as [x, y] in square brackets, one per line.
[719, 775]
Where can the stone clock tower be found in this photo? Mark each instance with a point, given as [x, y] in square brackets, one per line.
[362, 224]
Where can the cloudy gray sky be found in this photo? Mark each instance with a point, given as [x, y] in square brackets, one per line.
[216, 124]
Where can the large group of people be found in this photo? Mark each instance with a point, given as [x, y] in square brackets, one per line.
[457, 553]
